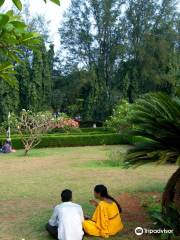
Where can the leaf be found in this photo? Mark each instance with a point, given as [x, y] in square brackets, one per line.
[18, 4]
[10, 13]
[18, 24]
[13, 56]
[10, 79]
[29, 36]
[56, 2]
[7, 73]
[9, 27]
[1, 2]
[3, 19]
[5, 66]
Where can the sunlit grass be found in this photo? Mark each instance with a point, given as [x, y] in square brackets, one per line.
[30, 186]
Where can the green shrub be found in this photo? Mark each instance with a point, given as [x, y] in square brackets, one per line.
[98, 129]
[83, 130]
[115, 159]
[66, 140]
[119, 120]
[170, 221]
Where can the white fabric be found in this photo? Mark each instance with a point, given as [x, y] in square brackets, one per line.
[68, 217]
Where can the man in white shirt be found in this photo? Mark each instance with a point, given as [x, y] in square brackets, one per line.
[66, 221]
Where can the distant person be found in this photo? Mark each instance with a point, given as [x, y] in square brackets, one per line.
[7, 147]
[106, 220]
[67, 219]
[0, 148]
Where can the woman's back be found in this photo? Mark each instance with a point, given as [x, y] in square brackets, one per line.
[106, 220]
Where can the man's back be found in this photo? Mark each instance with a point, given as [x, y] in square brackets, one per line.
[69, 217]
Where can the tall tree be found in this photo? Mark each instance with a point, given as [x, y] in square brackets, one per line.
[151, 41]
[127, 48]
[91, 35]
[9, 100]
[23, 77]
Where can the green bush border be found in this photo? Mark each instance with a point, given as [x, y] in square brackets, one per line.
[62, 140]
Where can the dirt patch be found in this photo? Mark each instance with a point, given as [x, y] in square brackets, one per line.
[132, 209]
[133, 215]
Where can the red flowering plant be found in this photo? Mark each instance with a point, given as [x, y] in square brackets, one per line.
[65, 123]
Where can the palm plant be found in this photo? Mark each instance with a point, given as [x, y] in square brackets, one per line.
[156, 128]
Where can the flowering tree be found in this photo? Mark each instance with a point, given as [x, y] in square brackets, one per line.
[31, 126]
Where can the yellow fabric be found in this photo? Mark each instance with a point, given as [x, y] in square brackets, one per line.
[106, 221]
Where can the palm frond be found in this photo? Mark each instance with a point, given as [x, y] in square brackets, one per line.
[156, 120]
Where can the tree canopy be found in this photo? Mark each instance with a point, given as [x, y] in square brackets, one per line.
[110, 51]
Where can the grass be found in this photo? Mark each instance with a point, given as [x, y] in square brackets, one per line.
[30, 186]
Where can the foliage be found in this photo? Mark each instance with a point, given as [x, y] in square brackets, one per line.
[33, 86]
[32, 126]
[163, 220]
[127, 49]
[98, 130]
[103, 61]
[115, 159]
[14, 35]
[67, 140]
[170, 221]
[120, 119]
[18, 3]
[39, 87]
[65, 123]
[156, 118]
[9, 100]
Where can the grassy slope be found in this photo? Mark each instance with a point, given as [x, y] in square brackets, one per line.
[30, 186]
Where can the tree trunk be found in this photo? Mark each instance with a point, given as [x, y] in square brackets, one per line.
[26, 152]
[172, 192]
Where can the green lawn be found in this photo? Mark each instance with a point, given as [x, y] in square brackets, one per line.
[30, 186]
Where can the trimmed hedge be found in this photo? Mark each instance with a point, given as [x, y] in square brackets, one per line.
[67, 140]
[83, 130]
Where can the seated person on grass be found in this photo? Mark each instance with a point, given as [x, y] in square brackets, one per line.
[106, 220]
[7, 147]
[67, 219]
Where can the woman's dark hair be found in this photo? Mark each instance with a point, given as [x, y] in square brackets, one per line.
[102, 190]
[66, 195]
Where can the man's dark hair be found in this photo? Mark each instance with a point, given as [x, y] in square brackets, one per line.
[66, 195]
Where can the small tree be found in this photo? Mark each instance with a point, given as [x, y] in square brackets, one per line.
[121, 115]
[31, 126]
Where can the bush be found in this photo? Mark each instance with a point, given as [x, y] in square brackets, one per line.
[83, 130]
[62, 140]
[163, 220]
[115, 159]
[119, 120]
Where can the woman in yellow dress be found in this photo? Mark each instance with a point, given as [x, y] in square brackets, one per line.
[106, 220]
